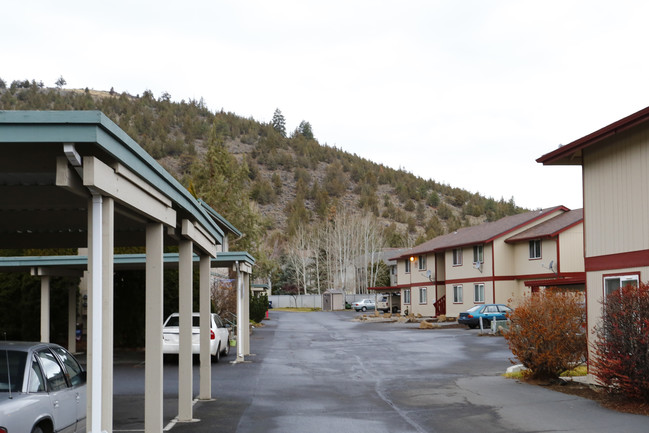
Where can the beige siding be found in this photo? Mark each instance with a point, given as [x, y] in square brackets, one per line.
[571, 249]
[467, 270]
[523, 265]
[616, 195]
[454, 310]
[505, 254]
[417, 305]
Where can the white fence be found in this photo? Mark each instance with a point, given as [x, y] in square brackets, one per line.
[308, 301]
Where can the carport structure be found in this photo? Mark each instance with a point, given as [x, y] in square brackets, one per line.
[76, 180]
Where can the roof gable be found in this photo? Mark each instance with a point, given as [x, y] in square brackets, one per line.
[571, 153]
[551, 227]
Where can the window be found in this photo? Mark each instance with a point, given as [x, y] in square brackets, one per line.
[457, 294]
[478, 296]
[422, 263]
[422, 295]
[406, 296]
[407, 266]
[611, 284]
[457, 257]
[53, 372]
[36, 379]
[535, 249]
[478, 256]
[72, 367]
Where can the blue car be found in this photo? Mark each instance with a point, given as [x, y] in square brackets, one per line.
[488, 312]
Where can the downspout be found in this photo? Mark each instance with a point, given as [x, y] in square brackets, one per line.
[97, 276]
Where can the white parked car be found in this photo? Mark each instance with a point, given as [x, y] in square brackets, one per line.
[42, 389]
[219, 336]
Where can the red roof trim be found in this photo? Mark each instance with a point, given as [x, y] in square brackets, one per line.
[634, 119]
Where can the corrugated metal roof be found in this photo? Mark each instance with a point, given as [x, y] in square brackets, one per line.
[551, 227]
[480, 234]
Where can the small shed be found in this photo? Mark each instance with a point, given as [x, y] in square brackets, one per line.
[333, 300]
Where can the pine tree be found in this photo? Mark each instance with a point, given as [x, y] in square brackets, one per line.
[222, 182]
[279, 123]
[61, 82]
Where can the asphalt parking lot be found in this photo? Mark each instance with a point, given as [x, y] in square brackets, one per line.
[324, 372]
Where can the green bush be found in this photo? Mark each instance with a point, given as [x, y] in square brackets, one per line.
[258, 307]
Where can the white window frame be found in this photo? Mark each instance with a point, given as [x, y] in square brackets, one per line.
[478, 293]
[457, 256]
[406, 296]
[478, 254]
[535, 249]
[422, 262]
[623, 280]
[423, 295]
[457, 294]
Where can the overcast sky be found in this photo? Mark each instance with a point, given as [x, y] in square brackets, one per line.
[468, 93]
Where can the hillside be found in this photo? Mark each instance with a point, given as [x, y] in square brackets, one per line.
[292, 179]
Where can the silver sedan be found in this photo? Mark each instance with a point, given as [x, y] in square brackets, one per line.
[42, 389]
[364, 305]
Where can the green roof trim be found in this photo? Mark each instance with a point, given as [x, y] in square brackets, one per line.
[219, 218]
[94, 127]
[223, 259]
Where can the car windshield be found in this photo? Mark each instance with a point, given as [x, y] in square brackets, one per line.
[174, 321]
[12, 369]
[473, 309]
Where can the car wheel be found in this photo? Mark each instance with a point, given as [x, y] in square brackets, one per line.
[472, 326]
[37, 429]
[364, 308]
[226, 352]
[486, 323]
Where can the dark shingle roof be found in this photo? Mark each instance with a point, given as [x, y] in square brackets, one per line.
[480, 234]
[551, 227]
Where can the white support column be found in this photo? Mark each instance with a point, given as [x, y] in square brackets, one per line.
[107, 264]
[205, 388]
[246, 311]
[185, 394]
[241, 323]
[45, 309]
[95, 357]
[72, 319]
[153, 365]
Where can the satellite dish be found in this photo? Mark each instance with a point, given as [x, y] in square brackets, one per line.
[478, 266]
[551, 265]
[428, 273]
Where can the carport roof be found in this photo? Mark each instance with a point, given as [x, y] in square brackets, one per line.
[38, 213]
[122, 261]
